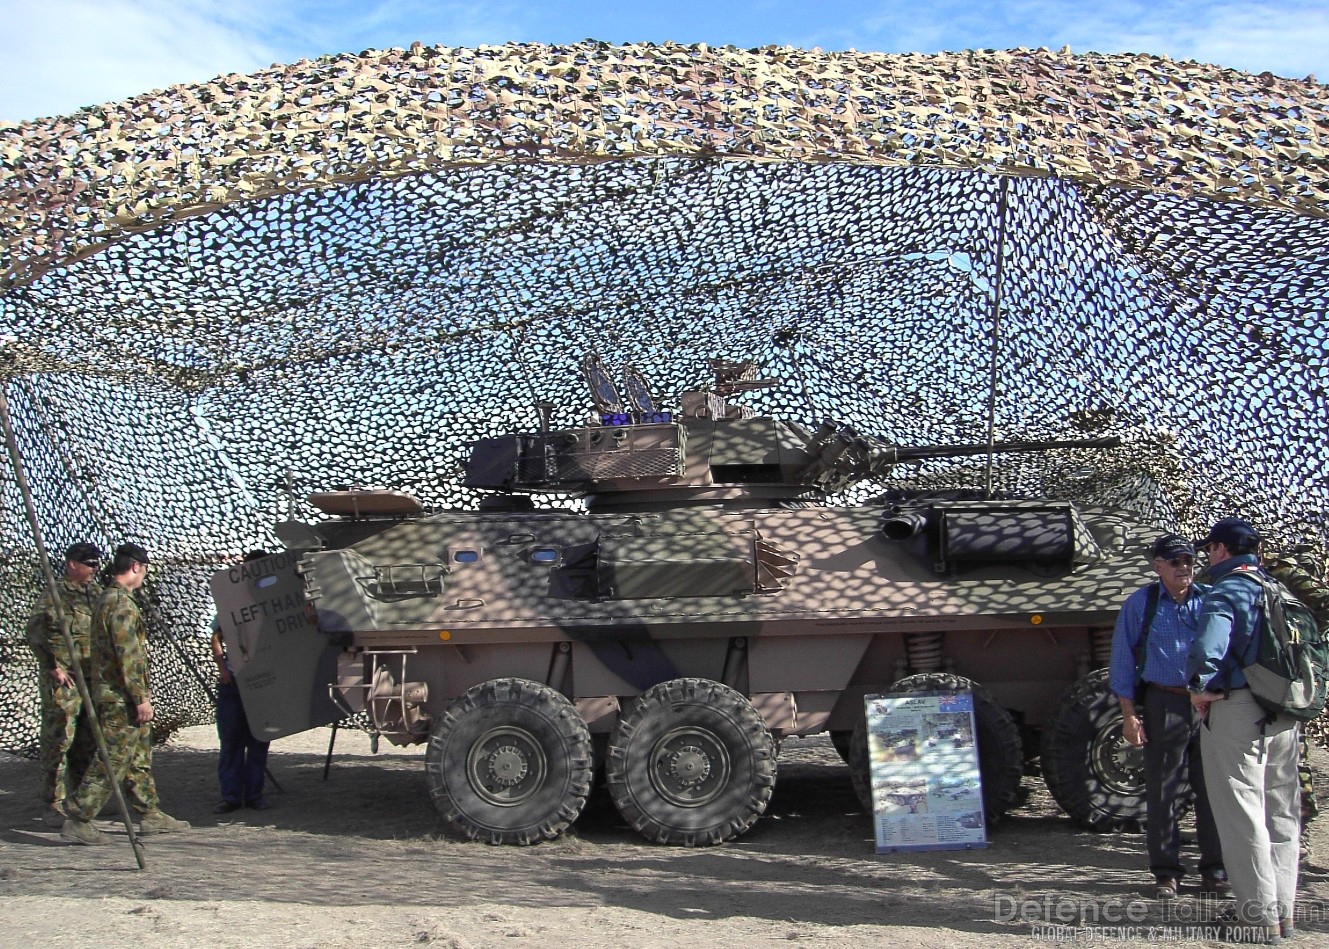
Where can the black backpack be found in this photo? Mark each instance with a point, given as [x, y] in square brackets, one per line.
[1286, 663]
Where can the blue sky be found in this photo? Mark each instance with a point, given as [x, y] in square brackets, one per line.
[59, 55]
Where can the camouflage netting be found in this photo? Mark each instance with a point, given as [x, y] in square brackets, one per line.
[219, 297]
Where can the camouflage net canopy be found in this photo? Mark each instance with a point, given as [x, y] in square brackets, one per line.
[217, 298]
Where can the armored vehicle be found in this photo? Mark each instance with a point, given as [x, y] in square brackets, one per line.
[701, 605]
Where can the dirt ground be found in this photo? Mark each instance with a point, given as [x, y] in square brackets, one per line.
[361, 860]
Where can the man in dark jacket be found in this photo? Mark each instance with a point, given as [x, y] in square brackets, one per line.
[1250, 761]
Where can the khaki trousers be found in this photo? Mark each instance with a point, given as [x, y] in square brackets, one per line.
[1250, 772]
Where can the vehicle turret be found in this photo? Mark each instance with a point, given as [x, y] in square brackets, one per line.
[639, 456]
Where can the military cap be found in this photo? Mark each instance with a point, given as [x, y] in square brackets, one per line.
[1234, 533]
[87, 554]
[1172, 545]
[133, 552]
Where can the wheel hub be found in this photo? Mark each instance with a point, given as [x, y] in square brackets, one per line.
[506, 766]
[1116, 762]
[689, 766]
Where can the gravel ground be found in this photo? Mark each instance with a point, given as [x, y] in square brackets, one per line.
[361, 860]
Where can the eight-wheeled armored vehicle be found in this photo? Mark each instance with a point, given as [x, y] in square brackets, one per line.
[705, 605]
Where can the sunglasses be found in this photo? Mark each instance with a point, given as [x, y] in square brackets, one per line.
[1178, 562]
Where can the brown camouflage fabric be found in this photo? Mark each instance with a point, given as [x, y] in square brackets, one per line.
[402, 247]
[79, 182]
[1304, 584]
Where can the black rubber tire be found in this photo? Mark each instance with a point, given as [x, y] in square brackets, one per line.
[842, 741]
[1000, 749]
[510, 762]
[691, 763]
[860, 763]
[1092, 773]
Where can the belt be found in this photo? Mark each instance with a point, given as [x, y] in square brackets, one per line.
[1177, 689]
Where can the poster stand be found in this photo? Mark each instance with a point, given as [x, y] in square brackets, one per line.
[927, 790]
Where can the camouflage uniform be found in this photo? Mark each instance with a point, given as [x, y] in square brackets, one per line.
[120, 684]
[67, 744]
[1315, 594]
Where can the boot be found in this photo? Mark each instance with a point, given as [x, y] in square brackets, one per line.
[82, 832]
[159, 822]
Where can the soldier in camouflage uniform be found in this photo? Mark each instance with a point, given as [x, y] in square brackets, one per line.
[123, 701]
[67, 745]
[1315, 594]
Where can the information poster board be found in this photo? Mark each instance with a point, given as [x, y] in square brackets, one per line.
[927, 790]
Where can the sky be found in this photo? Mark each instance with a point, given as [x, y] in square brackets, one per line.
[57, 56]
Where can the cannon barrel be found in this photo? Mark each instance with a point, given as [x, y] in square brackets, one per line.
[840, 456]
[961, 451]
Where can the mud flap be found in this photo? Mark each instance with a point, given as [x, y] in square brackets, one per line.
[282, 662]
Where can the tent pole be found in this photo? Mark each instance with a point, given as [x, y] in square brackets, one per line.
[994, 370]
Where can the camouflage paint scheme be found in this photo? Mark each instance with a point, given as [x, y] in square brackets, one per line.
[706, 555]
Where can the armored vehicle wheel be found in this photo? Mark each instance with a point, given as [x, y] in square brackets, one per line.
[1000, 750]
[841, 742]
[1092, 772]
[691, 763]
[510, 762]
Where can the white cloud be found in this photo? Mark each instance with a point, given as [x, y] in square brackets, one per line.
[61, 55]
[1286, 37]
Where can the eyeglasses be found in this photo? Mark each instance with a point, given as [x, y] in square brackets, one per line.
[1178, 562]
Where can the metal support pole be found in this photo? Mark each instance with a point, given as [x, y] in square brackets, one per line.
[21, 479]
[993, 368]
[327, 762]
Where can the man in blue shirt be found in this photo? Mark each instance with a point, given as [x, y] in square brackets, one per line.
[1250, 760]
[1150, 646]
